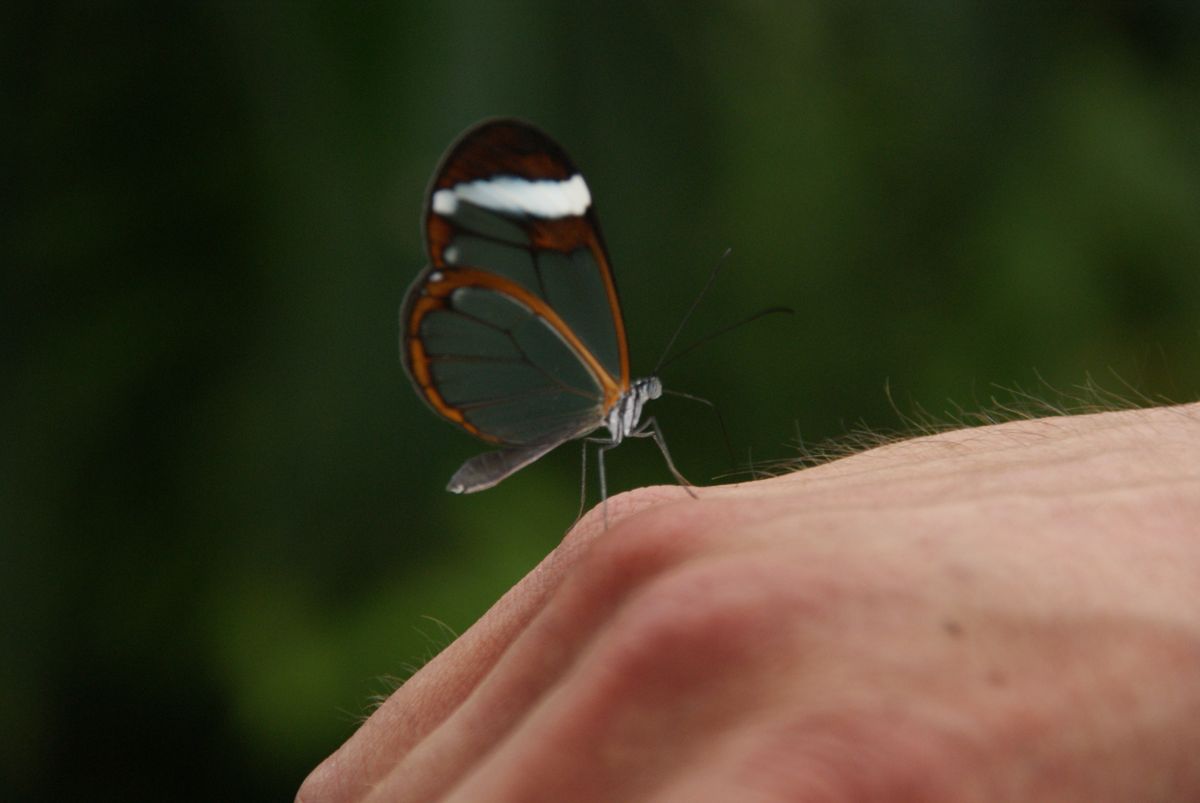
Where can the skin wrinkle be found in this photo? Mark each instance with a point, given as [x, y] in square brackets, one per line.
[1033, 607]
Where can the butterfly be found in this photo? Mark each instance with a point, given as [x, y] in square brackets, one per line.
[513, 331]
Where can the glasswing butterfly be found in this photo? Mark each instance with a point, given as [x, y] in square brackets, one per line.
[513, 331]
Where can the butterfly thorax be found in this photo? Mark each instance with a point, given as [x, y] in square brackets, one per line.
[625, 415]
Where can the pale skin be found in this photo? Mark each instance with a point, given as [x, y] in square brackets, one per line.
[1007, 613]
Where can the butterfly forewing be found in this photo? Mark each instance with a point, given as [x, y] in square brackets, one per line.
[514, 330]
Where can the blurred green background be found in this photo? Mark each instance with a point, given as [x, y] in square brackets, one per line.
[222, 506]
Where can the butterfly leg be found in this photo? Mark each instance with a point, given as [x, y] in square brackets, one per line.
[649, 429]
[605, 445]
[582, 484]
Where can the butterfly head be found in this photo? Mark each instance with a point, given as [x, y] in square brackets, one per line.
[648, 388]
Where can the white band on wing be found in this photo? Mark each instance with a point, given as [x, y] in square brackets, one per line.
[511, 195]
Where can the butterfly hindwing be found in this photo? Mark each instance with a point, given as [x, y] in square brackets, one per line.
[484, 358]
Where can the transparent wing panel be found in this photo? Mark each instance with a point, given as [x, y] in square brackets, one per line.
[573, 287]
[507, 371]
[569, 279]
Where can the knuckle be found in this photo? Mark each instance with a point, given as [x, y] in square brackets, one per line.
[642, 547]
[712, 613]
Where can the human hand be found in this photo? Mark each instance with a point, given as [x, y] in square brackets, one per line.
[1003, 613]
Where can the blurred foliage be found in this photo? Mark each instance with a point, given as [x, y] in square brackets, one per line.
[222, 508]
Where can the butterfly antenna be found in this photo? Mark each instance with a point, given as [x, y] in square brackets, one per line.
[762, 313]
[711, 278]
[716, 410]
